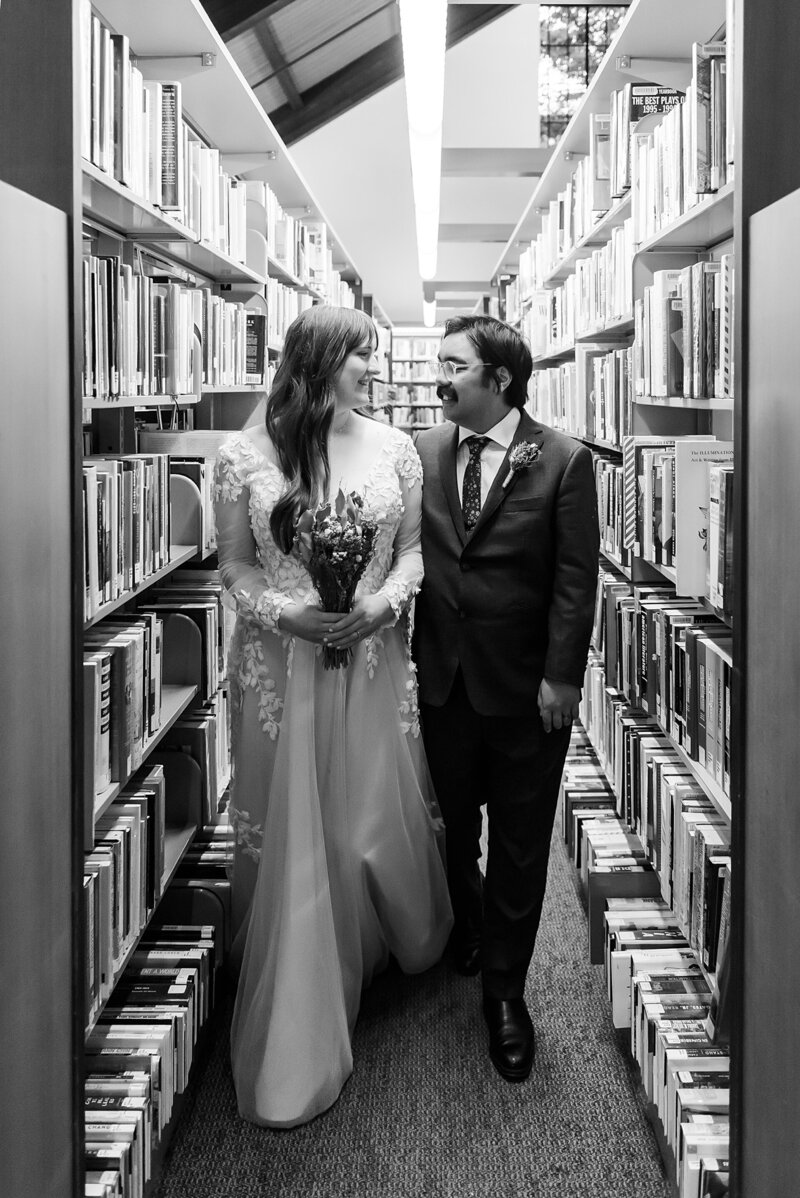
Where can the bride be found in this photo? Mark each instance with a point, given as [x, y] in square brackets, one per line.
[338, 840]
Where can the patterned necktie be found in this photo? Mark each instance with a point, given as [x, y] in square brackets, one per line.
[471, 487]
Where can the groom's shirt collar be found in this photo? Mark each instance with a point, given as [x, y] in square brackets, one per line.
[501, 433]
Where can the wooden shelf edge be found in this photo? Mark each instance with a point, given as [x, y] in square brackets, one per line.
[94, 404]
[112, 204]
[174, 701]
[685, 231]
[179, 555]
[684, 402]
[599, 234]
[232, 389]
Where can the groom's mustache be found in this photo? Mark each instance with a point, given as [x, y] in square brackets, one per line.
[445, 392]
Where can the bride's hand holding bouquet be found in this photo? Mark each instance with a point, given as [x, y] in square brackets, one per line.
[336, 545]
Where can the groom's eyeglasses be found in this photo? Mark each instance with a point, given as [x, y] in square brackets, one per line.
[451, 370]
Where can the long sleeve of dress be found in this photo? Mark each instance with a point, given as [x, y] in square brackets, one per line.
[240, 569]
[405, 576]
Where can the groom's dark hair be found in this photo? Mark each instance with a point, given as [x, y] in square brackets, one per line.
[499, 345]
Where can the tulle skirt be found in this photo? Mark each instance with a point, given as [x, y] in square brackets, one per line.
[339, 859]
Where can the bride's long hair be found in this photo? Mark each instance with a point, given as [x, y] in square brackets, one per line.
[301, 406]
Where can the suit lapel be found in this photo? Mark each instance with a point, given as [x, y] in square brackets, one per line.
[526, 430]
[447, 474]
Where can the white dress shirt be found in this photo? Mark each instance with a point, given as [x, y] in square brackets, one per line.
[500, 437]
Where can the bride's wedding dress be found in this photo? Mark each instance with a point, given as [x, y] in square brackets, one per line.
[338, 840]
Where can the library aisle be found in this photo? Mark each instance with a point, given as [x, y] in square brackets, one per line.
[425, 1113]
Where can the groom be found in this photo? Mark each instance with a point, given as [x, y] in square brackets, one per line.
[510, 546]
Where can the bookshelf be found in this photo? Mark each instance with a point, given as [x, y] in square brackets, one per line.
[416, 404]
[754, 216]
[42, 189]
[57, 205]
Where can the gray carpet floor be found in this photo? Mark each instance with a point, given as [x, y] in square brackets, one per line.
[425, 1114]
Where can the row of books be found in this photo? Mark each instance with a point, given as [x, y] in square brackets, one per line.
[420, 349]
[302, 247]
[135, 131]
[122, 880]
[653, 829]
[662, 826]
[609, 483]
[596, 295]
[418, 392]
[208, 859]
[600, 178]
[657, 988]
[122, 670]
[590, 397]
[683, 332]
[632, 108]
[414, 416]
[669, 149]
[670, 659]
[150, 335]
[686, 156]
[126, 523]
[637, 825]
[180, 632]
[685, 1074]
[670, 518]
[283, 305]
[413, 372]
[139, 1055]
[178, 789]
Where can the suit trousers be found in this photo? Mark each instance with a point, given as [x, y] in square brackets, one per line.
[513, 767]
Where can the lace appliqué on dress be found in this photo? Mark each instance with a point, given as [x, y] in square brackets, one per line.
[407, 461]
[227, 482]
[266, 609]
[400, 460]
[398, 594]
[371, 646]
[252, 672]
[250, 836]
[409, 708]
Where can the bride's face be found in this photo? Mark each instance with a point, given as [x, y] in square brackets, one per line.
[352, 381]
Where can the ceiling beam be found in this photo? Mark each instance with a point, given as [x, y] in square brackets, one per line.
[278, 64]
[370, 73]
[232, 17]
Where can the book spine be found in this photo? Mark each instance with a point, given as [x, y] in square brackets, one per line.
[171, 148]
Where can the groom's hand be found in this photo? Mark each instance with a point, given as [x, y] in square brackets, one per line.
[558, 704]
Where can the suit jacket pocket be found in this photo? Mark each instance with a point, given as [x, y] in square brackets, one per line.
[524, 503]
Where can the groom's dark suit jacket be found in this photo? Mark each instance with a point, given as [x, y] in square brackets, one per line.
[513, 601]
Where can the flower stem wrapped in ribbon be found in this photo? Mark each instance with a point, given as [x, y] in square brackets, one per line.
[523, 455]
[335, 545]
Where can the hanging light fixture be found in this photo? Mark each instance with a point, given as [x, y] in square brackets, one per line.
[429, 313]
[423, 26]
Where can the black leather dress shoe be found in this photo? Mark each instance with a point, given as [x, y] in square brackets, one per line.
[511, 1039]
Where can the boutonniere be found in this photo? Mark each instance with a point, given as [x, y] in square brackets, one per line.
[521, 457]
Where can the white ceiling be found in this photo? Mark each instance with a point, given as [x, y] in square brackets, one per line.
[358, 168]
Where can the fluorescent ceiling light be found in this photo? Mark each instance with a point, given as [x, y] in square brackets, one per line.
[423, 26]
[429, 313]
